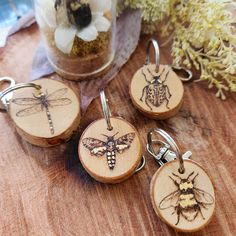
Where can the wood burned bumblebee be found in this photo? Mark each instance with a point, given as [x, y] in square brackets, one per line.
[110, 146]
[78, 11]
[188, 200]
[156, 92]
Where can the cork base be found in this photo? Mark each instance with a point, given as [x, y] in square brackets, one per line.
[86, 76]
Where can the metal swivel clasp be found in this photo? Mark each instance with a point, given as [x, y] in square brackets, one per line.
[164, 152]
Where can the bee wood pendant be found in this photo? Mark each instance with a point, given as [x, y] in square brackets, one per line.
[47, 117]
[110, 155]
[183, 200]
[156, 90]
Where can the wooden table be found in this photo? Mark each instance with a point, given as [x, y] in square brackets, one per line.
[47, 192]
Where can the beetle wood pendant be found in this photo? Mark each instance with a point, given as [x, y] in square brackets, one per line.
[47, 117]
[110, 148]
[156, 90]
[158, 95]
[181, 191]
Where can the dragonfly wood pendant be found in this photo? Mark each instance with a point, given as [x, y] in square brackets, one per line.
[109, 147]
[42, 102]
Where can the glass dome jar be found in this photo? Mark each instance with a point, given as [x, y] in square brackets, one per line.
[78, 35]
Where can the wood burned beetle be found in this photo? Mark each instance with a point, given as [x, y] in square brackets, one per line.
[156, 92]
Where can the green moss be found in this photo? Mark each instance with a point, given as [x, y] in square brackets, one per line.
[82, 48]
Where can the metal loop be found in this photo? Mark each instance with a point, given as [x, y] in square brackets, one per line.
[188, 72]
[150, 148]
[170, 141]
[3, 102]
[142, 164]
[106, 110]
[9, 90]
[157, 53]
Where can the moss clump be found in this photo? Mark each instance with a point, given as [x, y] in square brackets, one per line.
[82, 48]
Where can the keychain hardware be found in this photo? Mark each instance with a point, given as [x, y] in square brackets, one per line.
[7, 94]
[157, 60]
[106, 110]
[165, 154]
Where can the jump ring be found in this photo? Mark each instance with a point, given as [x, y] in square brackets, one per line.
[106, 110]
[188, 72]
[157, 53]
[142, 164]
[16, 87]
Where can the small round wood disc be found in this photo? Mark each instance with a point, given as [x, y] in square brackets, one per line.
[49, 122]
[186, 201]
[160, 95]
[110, 156]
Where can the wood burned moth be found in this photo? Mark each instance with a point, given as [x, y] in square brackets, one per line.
[110, 147]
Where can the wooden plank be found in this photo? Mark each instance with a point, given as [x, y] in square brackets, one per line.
[47, 192]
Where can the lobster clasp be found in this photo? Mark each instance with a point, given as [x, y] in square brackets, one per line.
[164, 152]
[4, 100]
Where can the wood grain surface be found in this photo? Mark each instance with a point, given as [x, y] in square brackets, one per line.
[47, 191]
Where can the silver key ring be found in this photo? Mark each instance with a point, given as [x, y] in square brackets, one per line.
[142, 164]
[169, 141]
[6, 95]
[155, 44]
[106, 110]
[188, 72]
[157, 53]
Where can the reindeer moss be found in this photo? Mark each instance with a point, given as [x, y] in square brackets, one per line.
[82, 48]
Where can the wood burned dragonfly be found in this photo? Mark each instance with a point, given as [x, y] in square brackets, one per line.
[41, 102]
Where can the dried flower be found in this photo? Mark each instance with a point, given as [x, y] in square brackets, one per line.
[203, 36]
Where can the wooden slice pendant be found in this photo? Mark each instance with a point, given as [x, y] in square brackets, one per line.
[186, 201]
[157, 95]
[49, 120]
[110, 156]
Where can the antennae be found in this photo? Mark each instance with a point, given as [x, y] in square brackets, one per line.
[176, 176]
[105, 135]
[115, 134]
[150, 72]
[190, 175]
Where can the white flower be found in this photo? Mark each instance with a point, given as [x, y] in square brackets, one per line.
[46, 14]
[65, 34]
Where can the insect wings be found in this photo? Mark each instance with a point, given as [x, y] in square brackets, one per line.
[110, 147]
[188, 200]
[40, 103]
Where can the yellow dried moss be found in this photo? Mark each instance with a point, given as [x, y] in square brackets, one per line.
[82, 48]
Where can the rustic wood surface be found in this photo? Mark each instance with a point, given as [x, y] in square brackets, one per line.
[47, 192]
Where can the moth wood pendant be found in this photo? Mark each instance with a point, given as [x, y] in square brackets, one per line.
[158, 95]
[46, 119]
[110, 156]
[185, 201]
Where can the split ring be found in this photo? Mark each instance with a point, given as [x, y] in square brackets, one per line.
[188, 72]
[157, 53]
[11, 88]
[142, 164]
[106, 109]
